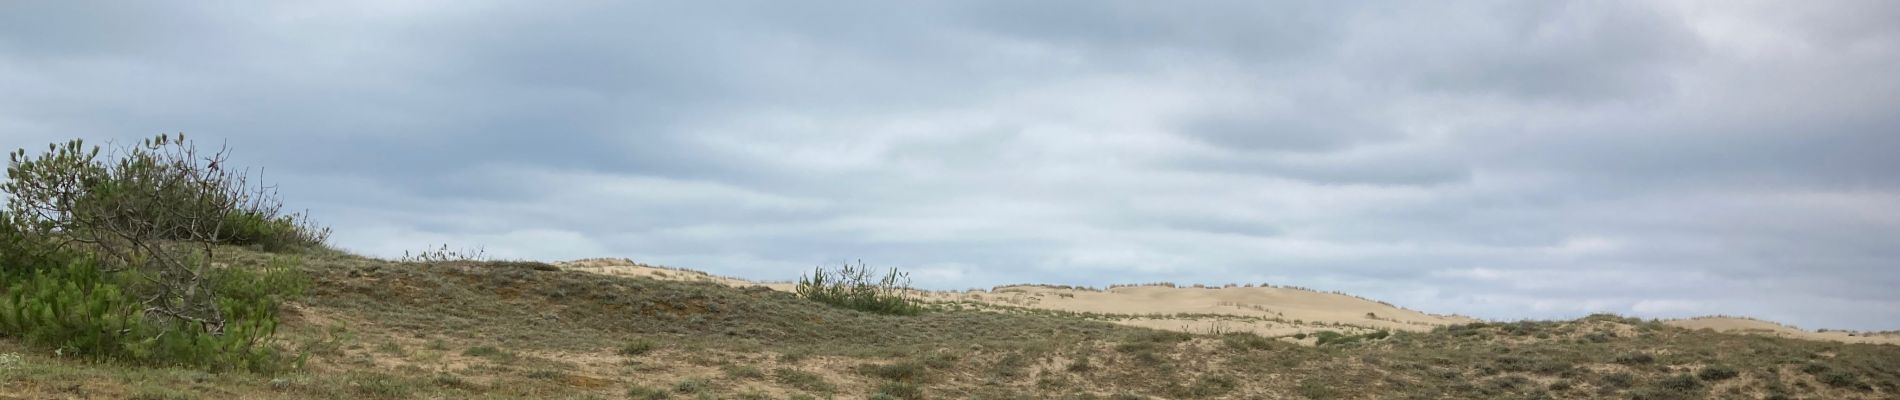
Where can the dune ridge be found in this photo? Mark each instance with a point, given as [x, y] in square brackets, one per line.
[1257, 308]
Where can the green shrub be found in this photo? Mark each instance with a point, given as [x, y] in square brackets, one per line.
[637, 348]
[160, 189]
[1716, 373]
[76, 308]
[84, 311]
[1680, 383]
[1246, 341]
[743, 371]
[854, 287]
[1842, 380]
[899, 390]
[1559, 385]
[902, 372]
[1336, 338]
[109, 257]
[691, 385]
[1635, 359]
[253, 228]
[1619, 380]
[639, 392]
[490, 352]
[1209, 386]
[802, 380]
[1815, 368]
[1148, 342]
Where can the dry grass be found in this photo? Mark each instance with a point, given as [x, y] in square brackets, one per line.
[386, 330]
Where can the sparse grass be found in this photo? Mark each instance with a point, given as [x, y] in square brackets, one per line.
[640, 392]
[637, 348]
[901, 372]
[520, 326]
[743, 372]
[898, 390]
[1717, 373]
[691, 386]
[802, 380]
[489, 352]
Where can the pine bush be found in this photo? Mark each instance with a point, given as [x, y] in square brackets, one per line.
[108, 258]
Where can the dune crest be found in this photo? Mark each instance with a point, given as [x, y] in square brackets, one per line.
[1265, 310]
[1743, 325]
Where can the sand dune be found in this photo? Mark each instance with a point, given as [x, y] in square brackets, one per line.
[1269, 311]
[1759, 327]
[1263, 310]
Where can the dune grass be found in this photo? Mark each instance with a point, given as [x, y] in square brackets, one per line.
[472, 329]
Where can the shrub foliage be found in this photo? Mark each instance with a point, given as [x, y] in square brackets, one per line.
[854, 287]
[108, 257]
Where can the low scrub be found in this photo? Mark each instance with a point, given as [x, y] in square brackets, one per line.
[80, 309]
[108, 257]
[855, 287]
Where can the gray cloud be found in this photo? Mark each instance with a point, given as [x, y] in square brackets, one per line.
[1500, 159]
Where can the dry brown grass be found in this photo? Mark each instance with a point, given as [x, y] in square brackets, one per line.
[385, 330]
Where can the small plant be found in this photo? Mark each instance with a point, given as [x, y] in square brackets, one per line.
[1635, 359]
[855, 288]
[1619, 380]
[10, 361]
[637, 348]
[691, 386]
[1842, 380]
[898, 390]
[1560, 385]
[743, 371]
[640, 392]
[444, 254]
[1080, 365]
[902, 372]
[1681, 383]
[802, 380]
[1716, 373]
[489, 352]
[1246, 342]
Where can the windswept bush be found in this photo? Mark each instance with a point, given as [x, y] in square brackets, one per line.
[161, 189]
[855, 288]
[108, 257]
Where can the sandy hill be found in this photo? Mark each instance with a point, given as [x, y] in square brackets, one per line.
[1760, 327]
[1270, 311]
[603, 329]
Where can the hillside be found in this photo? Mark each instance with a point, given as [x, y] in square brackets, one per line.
[1269, 311]
[379, 329]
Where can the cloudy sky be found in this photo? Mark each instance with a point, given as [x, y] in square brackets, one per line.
[1498, 159]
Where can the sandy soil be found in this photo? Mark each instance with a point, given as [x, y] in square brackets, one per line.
[1759, 327]
[1263, 310]
[1271, 311]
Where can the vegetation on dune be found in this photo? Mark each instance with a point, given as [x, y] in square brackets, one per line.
[88, 273]
[109, 257]
[511, 324]
[854, 287]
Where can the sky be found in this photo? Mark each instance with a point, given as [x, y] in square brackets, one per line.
[1499, 159]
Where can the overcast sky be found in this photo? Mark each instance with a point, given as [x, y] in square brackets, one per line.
[1498, 159]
